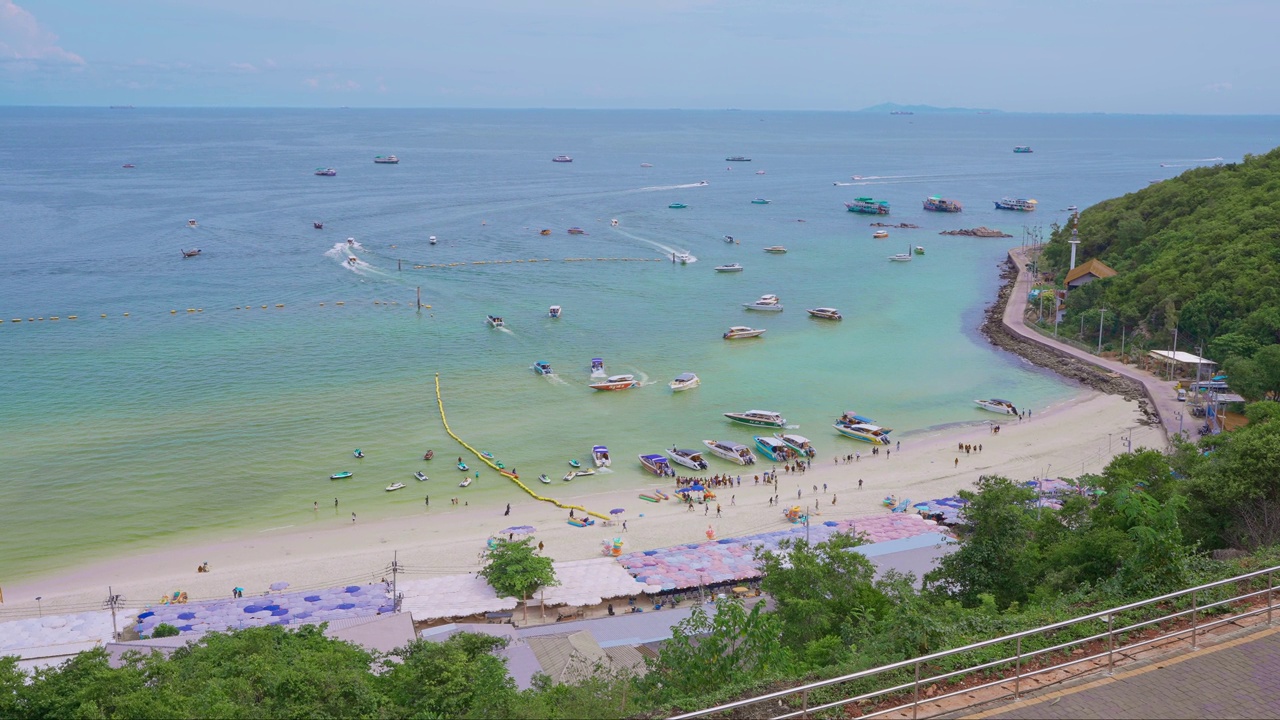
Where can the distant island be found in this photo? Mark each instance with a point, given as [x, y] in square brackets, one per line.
[896, 109]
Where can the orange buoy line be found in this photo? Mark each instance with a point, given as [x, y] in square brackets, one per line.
[509, 475]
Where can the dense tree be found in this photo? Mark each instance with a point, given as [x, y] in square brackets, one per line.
[460, 677]
[515, 569]
[731, 645]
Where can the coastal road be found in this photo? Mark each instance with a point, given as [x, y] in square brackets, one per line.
[1160, 392]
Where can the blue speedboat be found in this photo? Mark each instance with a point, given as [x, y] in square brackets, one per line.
[773, 448]
[542, 367]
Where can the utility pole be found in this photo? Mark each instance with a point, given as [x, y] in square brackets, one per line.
[1101, 314]
[806, 527]
[395, 570]
[113, 602]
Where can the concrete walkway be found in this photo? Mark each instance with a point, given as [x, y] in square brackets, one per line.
[1160, 392]
[1237, 679]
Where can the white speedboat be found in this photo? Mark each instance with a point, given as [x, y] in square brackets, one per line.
[600, 456]
[682, 258]
[562, 158]
[902, 257]
[432, 240]
[386, 160]
[554, 311]
[731, 451]
[799, 443]
[767, 303]
[684, 381]
[773, 448]
[758, 418]
[421, 476]
[395, 486]
[616, 382]
[494, 321]
[776, 250]
[597, 368]
[466, 482]
[656, 464]
[873, 434]
[996, 405]
[191, 223]
[691, 459]
[731, 267]
[738, 332]
[825, 313]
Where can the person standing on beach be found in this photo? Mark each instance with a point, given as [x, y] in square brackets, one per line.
[717, 509]
[705, 508]
[316, 506]
[899, 445]
[957, 463]
[624, 526]
[508, 512]
[428, 501]
[859, 483]
[335, 502]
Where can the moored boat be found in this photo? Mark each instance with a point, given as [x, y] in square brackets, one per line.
[462, 466]
[545, 480]
[656, 464]
[326, 172]
[868, 206]
[615, 382]
[1023, 149]
[880, 234]
[544, 231]
[542, 367]
[386, 159]
[768, 303]
[466, 482]
[996, 405]
[428, 454]
[191, 253]
[873, 434]
[919, 249]
[395, 486]
[677, 206]
[937, 203]
[738, 158]
[825, 313]
[597, 367]
[420, 476]
[562, 158]
[341, 475]
[730, 268]
[1012, 203]
[799, 443]
[758, 418]
[776, 250]
[584, 472]
[494, 321]
[575, 463]
[759, 201]
[600, 455]
[691, 459]
[553, 311]
[192, 223]
[773, 448]
[684, 381]
[731, 451]
[738, 332]
[577, 231]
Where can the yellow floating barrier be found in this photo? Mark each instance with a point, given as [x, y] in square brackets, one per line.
[340, 303]
[321, 304]
[73, 317]
[104, 314]
[507, 473]
[126, 314]
[173, 312]
[53, 317]
[279, 305]
[191, 310]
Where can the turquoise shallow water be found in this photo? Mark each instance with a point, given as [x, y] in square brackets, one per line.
[132, 432]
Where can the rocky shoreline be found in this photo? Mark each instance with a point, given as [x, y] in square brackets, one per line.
[983, 231]
[993, 328]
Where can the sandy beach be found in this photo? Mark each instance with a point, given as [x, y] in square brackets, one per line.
[327, 548]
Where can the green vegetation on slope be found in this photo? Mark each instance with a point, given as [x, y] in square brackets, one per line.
[1199, 252]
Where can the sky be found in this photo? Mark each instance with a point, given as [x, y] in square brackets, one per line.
[1115, 56]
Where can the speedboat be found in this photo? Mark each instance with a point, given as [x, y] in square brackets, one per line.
[544, 231]
[466, 482]
[1004, 407]
[493, 320]
[773, 448]
[577, 231]
[421, 476]
[613, 222]
[759, 201]
[691, 459]
[825, 313]
[873, 434]
[737, 158]
[776, 250]
[768, 303]
[646, 164]
[358, 453]
[386, 159]
[615, 382]
[562, 158]
[880, 234]
[352, 260]
[597, 368]
[729, 239]
[545, 480]
[553, 311]
[731, 267]
[395, 486]
[341, 475]
[432, 240]
[428, 454]
[318, 225]
[677, 206]
[542, 367]
[731, 451]
[1072, 208]
[191, 253]
[656, 464]
[326, 172]
[600, 455]
[684, 381]
[738, 332]
[758, 418]
[799, 443]
[682, 258]
[191, 223]
[759, 172]
[128, 166]
[1023, 149]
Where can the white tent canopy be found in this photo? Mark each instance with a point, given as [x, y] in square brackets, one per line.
[1179, 356]
[451, 596]
[591, 582]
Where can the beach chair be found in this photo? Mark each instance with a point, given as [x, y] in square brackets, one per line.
[902, 506]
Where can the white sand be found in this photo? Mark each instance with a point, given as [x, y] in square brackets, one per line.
[1080, 435]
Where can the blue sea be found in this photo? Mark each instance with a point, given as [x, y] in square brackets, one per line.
[219, 392]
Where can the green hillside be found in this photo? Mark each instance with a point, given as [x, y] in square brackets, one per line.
[1199, 253]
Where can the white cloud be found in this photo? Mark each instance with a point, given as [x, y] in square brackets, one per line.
[22, 38]
[312, 83]
[1218, 87]
[244, 67]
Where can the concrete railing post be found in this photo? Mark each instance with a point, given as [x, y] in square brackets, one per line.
[1017, 673]
[1111, 645]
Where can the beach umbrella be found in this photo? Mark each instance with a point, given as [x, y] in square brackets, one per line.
[519, 530]
[696, 488]
[279, 585]
[617, 511]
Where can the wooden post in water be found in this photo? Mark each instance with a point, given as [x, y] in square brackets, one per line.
[398, 268]
[419, 298]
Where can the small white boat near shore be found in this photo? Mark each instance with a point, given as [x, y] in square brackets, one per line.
[825, 313]
[731, 451]
[420, 476]
[466, 481]
[597, 368]
[799, 443]
[730, 268]
[600, 456]
[691, 459]
[616, 382]
[996, 405]
[738, 332]
[766, 303]
[395, 486]
[684, 381]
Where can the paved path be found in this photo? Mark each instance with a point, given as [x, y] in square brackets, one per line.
[1237, 679]
[1161, 393]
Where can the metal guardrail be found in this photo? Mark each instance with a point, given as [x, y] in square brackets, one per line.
[1018, 661]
